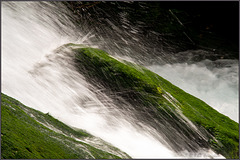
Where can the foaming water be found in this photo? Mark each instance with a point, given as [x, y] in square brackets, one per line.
[214, 82]
[43, 77]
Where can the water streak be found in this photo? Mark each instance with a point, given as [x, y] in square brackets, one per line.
[43, 77]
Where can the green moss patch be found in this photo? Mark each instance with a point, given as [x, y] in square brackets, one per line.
[150, 89]
[25, 136]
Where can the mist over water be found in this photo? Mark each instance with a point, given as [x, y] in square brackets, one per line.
[40, 75]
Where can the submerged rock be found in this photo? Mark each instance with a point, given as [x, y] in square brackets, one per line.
[186, 122]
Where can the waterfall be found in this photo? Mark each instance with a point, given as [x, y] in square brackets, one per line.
[38, 73]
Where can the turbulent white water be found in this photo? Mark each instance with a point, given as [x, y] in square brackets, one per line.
[39, 77]
[214, 82]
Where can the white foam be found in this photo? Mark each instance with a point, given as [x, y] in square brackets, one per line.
[216, 86]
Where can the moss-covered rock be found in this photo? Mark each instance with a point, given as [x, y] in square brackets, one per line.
[162, 100]
[30, 134]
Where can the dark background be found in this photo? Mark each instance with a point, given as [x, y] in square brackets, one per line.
[222, 17]
[209, 25]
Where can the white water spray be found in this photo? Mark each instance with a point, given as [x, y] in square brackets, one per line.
[47, 81]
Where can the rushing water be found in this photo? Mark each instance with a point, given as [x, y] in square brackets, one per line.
[216, 85]
[37, 73]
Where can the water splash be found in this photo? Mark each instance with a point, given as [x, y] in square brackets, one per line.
[46, 80]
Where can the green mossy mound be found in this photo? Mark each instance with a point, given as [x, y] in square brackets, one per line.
[30, 134]
[151, 90]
